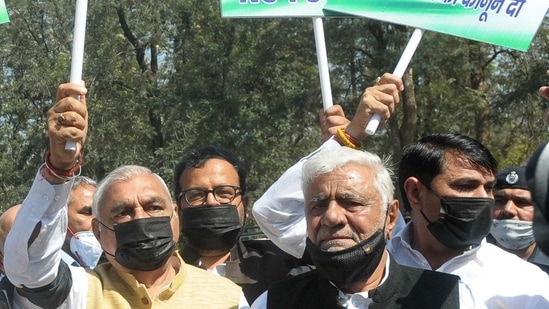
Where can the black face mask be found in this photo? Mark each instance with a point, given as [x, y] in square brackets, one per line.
[463, 221]
[350, 265]
[211, 227]
[144, 244]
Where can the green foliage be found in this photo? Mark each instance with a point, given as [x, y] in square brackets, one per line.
[166, 76]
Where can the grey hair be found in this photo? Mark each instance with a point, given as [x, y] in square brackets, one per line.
[81, 181]
[329, 160]
[121, 174]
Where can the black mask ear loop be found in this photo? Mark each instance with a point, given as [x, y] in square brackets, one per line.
[435, 194]
[425, 217]
[108, 228]
[384, 235]
[103, 224]
[384, 230]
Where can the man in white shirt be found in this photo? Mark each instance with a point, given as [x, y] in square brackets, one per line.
[447, 183]
[459, 174]
[135, 221]
[349, 207]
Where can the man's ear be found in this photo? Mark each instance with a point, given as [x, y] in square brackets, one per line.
[177, 215]
[392, 217]
[175, 209]
[412, 189]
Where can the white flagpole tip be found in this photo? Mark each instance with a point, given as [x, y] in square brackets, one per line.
[77, 56]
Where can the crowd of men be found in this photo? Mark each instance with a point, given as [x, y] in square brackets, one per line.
[336, 237]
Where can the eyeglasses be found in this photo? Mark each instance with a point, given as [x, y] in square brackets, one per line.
[222, 194]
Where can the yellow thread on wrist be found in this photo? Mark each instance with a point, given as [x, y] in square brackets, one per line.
[345, 140]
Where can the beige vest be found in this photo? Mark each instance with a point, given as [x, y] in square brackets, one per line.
[192, 287]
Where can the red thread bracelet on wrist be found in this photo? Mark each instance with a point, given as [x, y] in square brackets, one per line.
[352, 139]
[66, 173]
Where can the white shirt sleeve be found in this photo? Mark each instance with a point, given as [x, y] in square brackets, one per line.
[280, 210]
[36, 265]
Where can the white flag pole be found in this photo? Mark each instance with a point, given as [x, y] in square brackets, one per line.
[402, 64]
[78, 51]
[322, 57]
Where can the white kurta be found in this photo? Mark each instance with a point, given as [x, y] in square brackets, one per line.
[490, 277]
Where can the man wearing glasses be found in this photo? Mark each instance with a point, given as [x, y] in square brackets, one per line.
[210, 187]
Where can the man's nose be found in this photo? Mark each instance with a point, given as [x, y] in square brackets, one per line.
[140, 213]
[334, 215]
[509, 210]
[210, 199]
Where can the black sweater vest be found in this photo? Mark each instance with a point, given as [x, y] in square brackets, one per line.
[405, 287]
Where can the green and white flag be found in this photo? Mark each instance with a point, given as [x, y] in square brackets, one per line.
[509, 23]
[4, 18]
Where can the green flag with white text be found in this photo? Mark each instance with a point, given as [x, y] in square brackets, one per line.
[509, 23]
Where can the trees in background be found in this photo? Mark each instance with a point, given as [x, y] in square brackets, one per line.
[166, 76]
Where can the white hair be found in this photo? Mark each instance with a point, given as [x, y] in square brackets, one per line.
[121, 174]
[81, 181]
[329, 160]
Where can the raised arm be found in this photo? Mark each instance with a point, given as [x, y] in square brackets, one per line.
[279, 212]
[33, 246]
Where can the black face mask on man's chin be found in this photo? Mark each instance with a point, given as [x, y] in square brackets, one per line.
[211, 228]
[348, 266]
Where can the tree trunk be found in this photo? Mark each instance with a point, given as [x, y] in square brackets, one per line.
[408, 130]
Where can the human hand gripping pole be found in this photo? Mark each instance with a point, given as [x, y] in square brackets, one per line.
[67, 120]
[400, 68]
[78, 52]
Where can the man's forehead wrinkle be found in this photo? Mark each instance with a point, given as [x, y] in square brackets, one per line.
[354, 175]
[344, 178]
[338, 191]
